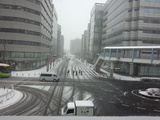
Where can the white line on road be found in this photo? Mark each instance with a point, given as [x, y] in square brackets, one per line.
[111, 102]
[157, 110]
[141, 108]
[125, 105]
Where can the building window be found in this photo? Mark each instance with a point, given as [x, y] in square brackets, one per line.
[17, 54]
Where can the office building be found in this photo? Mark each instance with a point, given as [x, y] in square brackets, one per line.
[124, 23]
[60, 43]
[75, 46]
[84, 45]
[131, 23]
[54, 33]
[96, 22]
[26, 32]
[61, 46]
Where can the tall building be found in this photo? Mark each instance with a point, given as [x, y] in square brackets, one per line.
[54, 32]
[124, 23]
[131, 23]
[96, 22]
[61, 46]
[60, 43]
[25, 32]
[75, 46]
[84, 45]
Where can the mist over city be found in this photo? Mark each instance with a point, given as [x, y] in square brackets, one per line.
[67, 59]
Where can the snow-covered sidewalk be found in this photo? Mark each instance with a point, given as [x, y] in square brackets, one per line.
[17, 95]
[121, 77]
[34, 73]
[9, 97]
[31, 73]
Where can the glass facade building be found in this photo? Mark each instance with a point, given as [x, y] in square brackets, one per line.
[96, 22]
[54, 32]
[26, 32]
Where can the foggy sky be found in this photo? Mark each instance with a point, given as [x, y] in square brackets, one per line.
[74, 16]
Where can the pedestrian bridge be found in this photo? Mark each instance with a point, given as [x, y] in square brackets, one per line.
[133, 55]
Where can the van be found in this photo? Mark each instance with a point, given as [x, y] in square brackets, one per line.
[49, 77]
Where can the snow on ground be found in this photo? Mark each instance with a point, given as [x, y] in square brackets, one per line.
[121, 77]
[31, 73]
[46, 88]
[7, 99]
[35, 73]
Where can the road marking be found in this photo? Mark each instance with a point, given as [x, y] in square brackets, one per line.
[141, 108]
[120, 100]
[125, 105]
[157, 110]
[112, 102]
[115, 87]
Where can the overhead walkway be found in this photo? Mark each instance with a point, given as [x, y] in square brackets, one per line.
[134, 56]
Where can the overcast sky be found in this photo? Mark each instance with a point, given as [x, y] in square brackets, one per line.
[74, 16]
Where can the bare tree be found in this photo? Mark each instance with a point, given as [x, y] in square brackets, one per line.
[4, 52]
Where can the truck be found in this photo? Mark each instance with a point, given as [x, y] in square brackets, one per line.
[78, 108]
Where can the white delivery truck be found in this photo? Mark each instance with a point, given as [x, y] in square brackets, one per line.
[78, 108]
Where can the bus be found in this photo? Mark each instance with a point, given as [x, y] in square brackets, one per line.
[5, 70]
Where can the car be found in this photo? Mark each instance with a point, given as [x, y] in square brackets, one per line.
[49, 76]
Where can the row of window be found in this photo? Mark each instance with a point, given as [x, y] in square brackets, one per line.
[144, 31]
[152, 31]
[115, 34]
[144, 41]
[156, 21]
[35, 1]
[152, 0]
[131, 0]
[20, 42]
[150, 10]
[145, 20]
[151, 41]
[21, 8]
[146, 10]
[23, 54]
[17, 19]
[16, 7]
[22, 31]
[8, 18]
[39, 3]
[135, 9]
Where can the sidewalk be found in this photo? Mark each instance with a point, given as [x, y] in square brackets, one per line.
[121, 77]
[34, 73]
[9, 97]
[117, 76]
[31, 73]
